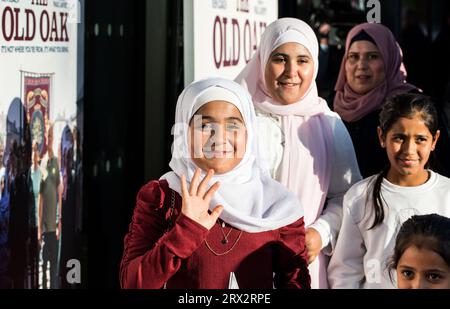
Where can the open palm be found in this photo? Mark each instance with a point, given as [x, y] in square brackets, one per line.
[196, 200]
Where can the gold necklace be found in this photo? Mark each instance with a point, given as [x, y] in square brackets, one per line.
[232, 247]
[223, 241]
[225, 237]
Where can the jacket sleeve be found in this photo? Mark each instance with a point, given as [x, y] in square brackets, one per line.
[344, 174]
[346, 269]
[152, 255]
[291, 260]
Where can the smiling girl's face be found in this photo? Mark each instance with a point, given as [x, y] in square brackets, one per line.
[218, 137]
[289, 73]
[408, 144]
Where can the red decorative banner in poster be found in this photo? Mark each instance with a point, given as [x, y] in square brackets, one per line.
[36, 98]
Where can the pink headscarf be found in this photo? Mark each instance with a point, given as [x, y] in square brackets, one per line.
[352, 106]
[305, 167]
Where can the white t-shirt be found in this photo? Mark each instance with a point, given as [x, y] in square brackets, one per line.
[361, 255]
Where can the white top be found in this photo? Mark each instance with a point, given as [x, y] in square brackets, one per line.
[360, 256]
[344, 174]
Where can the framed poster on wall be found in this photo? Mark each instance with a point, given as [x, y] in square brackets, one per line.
[221, 36]
[38, 124]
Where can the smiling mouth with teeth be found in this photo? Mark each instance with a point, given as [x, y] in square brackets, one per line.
[289, 84]
[218, 153]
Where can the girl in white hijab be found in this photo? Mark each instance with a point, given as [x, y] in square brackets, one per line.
[307, 146]
[235, 233]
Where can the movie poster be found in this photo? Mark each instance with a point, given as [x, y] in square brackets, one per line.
[221, 36]
[38, 117]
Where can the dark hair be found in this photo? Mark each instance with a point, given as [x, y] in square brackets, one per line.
[405, 105]
[362, 36]
[427, 231]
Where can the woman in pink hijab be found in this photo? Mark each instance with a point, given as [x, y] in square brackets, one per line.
[371, 70]
[306, 146]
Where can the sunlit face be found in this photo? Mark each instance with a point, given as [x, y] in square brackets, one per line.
[364, 68]
[217, 137]
[422, 269]
[408, 145]
[289, 73]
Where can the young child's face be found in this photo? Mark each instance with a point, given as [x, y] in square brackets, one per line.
[217, 137]
[422, 269]
[408, 145]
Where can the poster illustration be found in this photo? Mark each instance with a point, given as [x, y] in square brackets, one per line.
[38, 109]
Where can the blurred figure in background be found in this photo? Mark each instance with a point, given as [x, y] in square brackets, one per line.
[67, 216]
[35, 246]
[49, 225]
[327, 74]
[21, 202]
[441, 65]
[416, 51]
